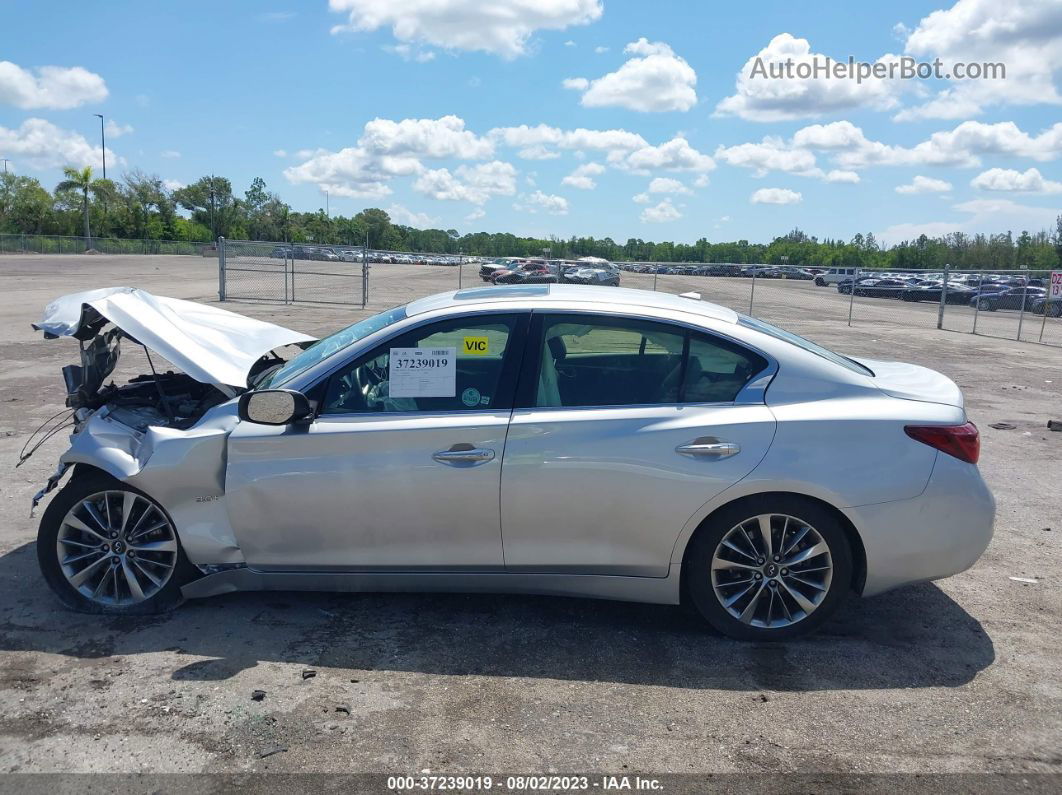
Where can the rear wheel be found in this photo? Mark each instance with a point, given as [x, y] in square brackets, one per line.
[105, 547]
[769, 568]
[820, 282]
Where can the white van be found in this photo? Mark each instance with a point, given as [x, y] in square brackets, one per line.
[834, 275]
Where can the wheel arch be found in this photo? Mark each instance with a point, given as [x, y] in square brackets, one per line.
[859, 555]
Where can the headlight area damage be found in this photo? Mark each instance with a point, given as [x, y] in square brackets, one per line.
[117, 428]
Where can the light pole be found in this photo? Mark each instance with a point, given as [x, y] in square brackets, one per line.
[328, 213]
[6, 161]
[103, 144]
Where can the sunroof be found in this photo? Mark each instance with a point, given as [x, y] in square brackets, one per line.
[510, 291]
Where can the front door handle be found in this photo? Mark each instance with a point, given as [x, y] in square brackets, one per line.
[708, 447]
[464, 454]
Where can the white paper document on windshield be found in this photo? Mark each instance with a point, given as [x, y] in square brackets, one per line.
[422, 372]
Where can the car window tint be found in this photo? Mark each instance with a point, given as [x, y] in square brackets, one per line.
[480, 345]
[598, 361]
[717, 370]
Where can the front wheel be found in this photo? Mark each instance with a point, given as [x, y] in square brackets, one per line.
[770, 567]
[105, 547]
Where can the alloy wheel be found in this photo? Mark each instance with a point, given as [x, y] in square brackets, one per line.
[771, 570]
[117, 548]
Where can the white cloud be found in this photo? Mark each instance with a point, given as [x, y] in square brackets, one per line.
[43, 145]
[442, 137]
[1008, 179]
[701, 181]
[276, 16]
[548, 203]
[1024, 35]
[474, 184]
[280, 153]
[981, 215]
[675, 155]
[667, 185]
[600, 50]
[838, 175]
[56, 87]
[922, 184]
[536, 142]
[776, 196]
[388, 149]
[771, 154]
[476, 214]
[764, 98]
[406, 217]
[537, 152]
[116, 130]
[660, 213]
[655, 79]
[569, 43]
[583, 176]
[502, 27]
[170, 154]
[961, 146]
[172, 184]
[408, 52]
[641, 198]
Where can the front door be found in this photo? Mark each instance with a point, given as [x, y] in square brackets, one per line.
[400, 470]
[629, 427]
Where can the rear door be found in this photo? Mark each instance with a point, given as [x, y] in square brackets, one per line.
[623, 429]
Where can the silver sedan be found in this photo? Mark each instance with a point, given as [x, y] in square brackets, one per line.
[547, 439]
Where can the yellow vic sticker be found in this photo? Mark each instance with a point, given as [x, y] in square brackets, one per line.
[476, 346]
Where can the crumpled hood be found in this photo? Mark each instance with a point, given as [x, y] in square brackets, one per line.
[213, 346]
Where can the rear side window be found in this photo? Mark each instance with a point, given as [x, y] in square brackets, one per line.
[587, 360]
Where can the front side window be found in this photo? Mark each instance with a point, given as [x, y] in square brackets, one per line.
[452, 365]
[609, 361]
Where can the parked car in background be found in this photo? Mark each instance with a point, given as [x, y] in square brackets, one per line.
[601, 277]
[570, 441]
[280, 252]
[834, 275]
[350, 255]
[1008, 298]
[792, 272]
[1053, 308]
[874, 288]
[930, 291]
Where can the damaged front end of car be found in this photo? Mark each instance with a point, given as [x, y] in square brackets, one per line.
[150, 429]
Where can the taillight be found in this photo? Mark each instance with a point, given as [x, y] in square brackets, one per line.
[961, 441]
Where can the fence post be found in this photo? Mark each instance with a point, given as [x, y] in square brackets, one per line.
[656, 272]
[221, 268]
[752, 293]
[1024, 294]
[851, 296]
[977, 301]
[461, 268]
[1046, 306]
[943, 297]
[364, 276]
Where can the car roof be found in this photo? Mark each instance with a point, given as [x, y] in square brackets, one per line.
[561, 296]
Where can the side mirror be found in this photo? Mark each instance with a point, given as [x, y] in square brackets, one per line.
[274, 407]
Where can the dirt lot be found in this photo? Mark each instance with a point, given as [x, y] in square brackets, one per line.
[960, 675]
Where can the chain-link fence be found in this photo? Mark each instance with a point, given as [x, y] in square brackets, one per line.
[288, 273]
[69, 244]
[1011, 304]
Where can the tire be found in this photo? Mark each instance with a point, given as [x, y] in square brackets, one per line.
[707, 593]
[159, 572]
[820, 282]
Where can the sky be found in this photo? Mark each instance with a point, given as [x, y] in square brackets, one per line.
[655, 120]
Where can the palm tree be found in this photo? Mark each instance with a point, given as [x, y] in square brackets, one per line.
[81, 180]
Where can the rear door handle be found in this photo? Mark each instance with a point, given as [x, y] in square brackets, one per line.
[464, 454]
[708, 447]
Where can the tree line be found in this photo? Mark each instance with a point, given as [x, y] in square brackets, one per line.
[141, 206]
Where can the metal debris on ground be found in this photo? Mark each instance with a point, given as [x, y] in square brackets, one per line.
[1055, 425]
[1002, 426]
[258, 695]
[1029, 580]
[269, 752]
[309, 673]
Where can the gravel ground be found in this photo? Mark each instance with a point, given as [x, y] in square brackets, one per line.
[955, 676]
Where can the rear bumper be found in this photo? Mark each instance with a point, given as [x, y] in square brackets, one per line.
[941, 532]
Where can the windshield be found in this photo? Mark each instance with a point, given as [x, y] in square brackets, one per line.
[807, 345]
[333, 343]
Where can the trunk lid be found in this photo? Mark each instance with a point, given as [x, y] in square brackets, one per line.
[213, 346]
[913, 382]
